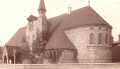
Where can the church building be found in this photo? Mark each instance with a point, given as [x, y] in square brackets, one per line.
[82, 36]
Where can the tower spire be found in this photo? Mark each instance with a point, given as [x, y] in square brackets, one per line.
[42, 8]
[43, 28]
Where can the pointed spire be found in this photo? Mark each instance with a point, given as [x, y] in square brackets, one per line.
[42, 8]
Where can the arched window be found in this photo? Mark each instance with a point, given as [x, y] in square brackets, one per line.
[92, 38]
[100, 38]
[106, 38]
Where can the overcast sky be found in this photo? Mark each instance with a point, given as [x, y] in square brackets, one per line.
[13, 13]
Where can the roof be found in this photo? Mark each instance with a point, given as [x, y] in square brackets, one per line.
[116, 43]
[18, 38]
[31, 18]
[59, 40]
[42, 6]
[77, 18]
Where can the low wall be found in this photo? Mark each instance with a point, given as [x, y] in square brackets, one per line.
[61, 66]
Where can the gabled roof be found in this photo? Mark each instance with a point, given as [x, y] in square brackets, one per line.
[79, 17]
[18, 38]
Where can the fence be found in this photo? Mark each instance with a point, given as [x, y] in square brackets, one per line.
[62, 66]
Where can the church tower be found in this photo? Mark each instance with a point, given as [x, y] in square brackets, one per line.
[42, 21]
[41, 27]
[36, 32]
[37, 29]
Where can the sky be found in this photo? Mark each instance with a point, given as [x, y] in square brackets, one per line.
[14, 13]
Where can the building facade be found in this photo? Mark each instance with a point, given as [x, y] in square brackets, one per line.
[95, 43]
[81, 36]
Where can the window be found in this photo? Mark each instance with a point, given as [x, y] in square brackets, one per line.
[100, 38]
[106, 38]
[92, 38]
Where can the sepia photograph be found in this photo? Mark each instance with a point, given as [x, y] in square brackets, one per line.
[59, 34]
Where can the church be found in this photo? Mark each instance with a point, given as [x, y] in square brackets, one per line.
[80, 36]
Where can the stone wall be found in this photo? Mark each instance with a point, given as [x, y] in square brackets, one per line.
[100, 46]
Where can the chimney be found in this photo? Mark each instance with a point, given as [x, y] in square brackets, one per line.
[69, 10]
